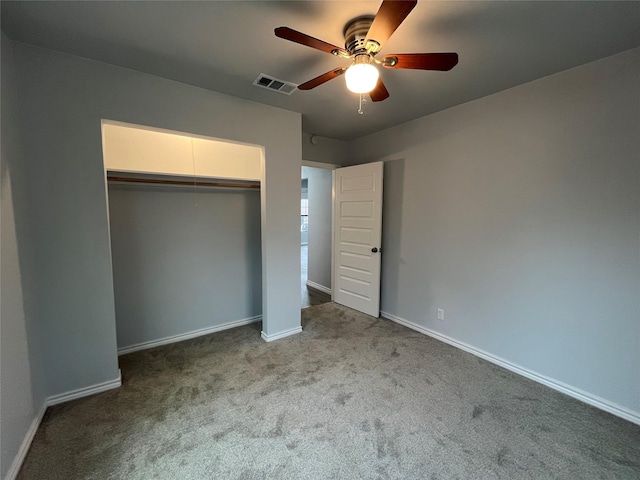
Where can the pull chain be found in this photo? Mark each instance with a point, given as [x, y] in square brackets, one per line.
[362, 101]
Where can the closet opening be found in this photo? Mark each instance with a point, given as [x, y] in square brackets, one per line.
[185, 230]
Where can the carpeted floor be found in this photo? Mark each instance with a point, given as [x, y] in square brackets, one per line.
[352, 397]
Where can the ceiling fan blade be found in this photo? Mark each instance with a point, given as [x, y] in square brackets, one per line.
[421, 61]
[304, 39]
[325, 77]
[379, 93]
[389, 17]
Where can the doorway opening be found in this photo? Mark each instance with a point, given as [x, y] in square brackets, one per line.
[315, 235]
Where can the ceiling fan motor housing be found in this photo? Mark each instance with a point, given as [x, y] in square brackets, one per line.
[355, 36]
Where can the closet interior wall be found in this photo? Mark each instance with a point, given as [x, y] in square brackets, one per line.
[185, 261]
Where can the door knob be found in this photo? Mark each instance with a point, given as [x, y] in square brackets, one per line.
[374, 249]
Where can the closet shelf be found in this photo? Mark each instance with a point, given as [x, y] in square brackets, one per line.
[188, 183]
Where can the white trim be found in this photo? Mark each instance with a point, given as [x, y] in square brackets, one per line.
[188, 335]
[278, 336]
[111, 384]
[50, 401]
[317, 286]
[26, 443]
[86, 391]
[576, 393]
[333, 230]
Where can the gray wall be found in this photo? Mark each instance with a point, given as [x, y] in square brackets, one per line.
[63, 99]
[21, 381]
[327, 150]
[17, 404]
[519, 214]
[183, 261]
[319, 226]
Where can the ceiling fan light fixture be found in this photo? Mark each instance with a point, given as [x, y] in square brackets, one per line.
[364, 36]
[362, 77]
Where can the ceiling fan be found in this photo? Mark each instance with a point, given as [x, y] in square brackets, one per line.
[364, 37]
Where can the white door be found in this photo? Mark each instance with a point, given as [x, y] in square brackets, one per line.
[357, 228]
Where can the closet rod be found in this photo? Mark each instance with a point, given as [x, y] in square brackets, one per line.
[189, 183]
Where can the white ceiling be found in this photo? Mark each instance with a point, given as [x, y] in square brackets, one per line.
[224, 45]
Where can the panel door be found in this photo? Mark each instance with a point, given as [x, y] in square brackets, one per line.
[357, 228]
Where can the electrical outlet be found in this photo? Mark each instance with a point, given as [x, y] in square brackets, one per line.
[441, 314]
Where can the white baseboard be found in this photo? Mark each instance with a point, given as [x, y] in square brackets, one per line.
[186, 336]
[12, 473]
[50, 401]
[85, 392]
[278, 336]
[317, 286]
[110, 384]
[576, 393]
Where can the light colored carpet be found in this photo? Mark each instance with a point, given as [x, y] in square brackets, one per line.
[352, 397]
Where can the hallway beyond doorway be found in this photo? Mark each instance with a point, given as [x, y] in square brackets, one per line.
[309, 296]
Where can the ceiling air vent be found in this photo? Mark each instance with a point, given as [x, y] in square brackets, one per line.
[271, 83]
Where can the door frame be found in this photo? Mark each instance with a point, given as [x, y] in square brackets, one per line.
[332, 167]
